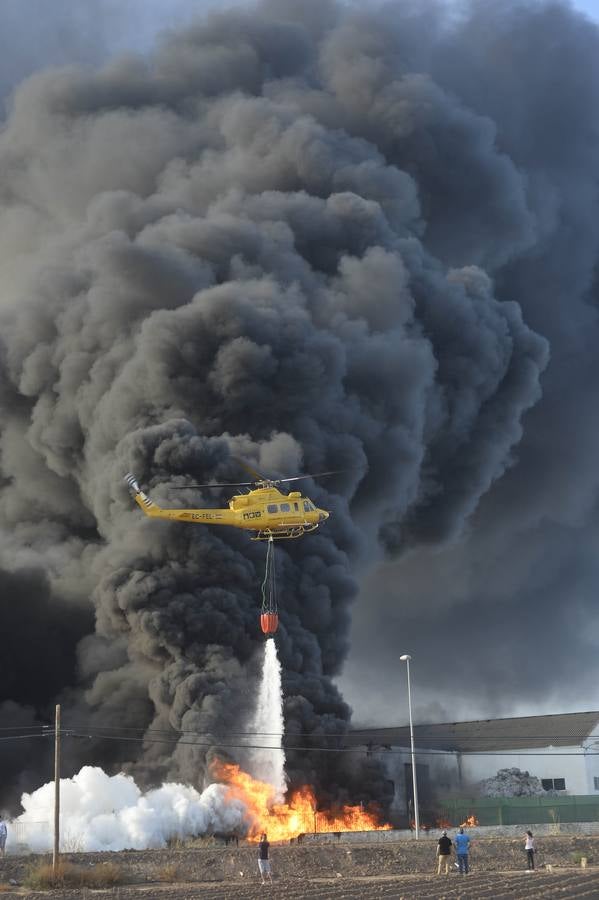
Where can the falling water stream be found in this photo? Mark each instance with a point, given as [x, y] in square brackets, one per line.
[268, 762]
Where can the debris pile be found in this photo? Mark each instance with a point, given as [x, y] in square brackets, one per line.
[512, 783]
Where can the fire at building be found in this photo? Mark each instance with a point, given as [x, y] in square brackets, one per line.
[299, 815]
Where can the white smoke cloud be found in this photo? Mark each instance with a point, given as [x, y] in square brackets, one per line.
[103, 812]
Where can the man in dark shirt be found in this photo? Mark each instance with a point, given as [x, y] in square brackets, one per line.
[263, 860]
[444, 846]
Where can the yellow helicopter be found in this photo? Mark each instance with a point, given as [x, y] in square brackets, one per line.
[265, 510]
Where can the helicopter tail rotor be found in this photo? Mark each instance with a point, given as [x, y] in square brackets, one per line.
[132, 483]
[142, 499]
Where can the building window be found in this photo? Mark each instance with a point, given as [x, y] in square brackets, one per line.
[555, 784]
[597, 782]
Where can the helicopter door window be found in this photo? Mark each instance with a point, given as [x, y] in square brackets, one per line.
[272, 508]
[285, 507]
[296, 507]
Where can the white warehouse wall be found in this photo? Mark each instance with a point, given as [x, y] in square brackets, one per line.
[592, 760]
[451, 772]
[551, 764]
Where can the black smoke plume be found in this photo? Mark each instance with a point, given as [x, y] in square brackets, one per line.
[504, 619]
[315, 238]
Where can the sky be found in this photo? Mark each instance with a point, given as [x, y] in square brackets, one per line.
[89, 33]
[590, 7]
[94, 29]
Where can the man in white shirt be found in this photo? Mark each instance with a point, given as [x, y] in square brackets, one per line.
[3, 835]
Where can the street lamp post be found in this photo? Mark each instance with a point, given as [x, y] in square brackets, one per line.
[406, 658]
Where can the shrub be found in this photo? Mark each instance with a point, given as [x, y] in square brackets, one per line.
[71, 842]
[104, 875]
[177, 843]
[169, 872]
[43, 877]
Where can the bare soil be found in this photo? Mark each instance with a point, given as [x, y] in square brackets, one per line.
[336, 872]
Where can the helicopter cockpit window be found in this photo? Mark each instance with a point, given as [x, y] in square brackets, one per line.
[272, 508]
[306, 506]
[285, 507]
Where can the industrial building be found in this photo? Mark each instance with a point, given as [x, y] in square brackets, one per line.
[453, 757]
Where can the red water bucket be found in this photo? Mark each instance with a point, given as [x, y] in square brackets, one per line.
[269, 622]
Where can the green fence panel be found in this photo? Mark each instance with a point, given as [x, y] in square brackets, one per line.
[518, 810]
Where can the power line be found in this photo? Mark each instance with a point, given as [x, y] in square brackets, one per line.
[216, 745]
[230, 746]
[23, 737]
[347, 735]
[500, 743]
[209, 740]
[23, 727]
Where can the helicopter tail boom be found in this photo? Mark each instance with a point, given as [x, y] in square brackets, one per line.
[201, 516]
[147, 505]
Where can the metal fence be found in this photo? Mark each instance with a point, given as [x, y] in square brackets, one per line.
[519, 810]
[23, 836]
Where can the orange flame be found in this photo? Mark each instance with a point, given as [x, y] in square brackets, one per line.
[471, 821]
[300, 815]
[443, 824]
[423, 826]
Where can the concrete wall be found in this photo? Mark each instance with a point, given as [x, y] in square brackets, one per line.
[481, 832]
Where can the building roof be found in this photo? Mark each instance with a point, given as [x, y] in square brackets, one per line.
[567, 729]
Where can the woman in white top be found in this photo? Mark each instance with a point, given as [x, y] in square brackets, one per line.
[529, 846]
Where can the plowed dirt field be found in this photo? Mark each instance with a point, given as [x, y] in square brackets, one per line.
[334, 872]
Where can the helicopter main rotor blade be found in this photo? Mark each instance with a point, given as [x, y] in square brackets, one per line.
[254, 472]
[315, 475]
[183, 487]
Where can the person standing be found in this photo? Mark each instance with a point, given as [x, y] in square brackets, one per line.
[529, 846]
[3, 836]
[444, 846]
[263, 860]
[462, 848]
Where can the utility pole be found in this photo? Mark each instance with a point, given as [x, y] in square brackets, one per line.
[56, 853]
[406, 658]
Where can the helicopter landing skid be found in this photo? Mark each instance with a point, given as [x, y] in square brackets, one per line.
[293, 531]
